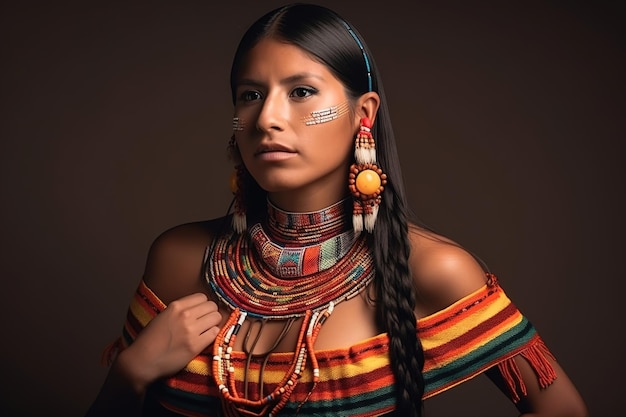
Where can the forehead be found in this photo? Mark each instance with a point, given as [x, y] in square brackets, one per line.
[271, 57]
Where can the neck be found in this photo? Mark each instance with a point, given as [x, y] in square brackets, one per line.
[309, 199]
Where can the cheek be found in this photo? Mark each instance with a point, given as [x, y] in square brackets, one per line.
[333, 141]
[245, 146]
[245, 118]
[330, 127]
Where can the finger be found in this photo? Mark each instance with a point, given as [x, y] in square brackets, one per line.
[211, 319]
[202, 309]
[208, 336]
[187, 304]
[192, 299]
[205, 322]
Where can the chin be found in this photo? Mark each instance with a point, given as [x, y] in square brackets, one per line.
[277, 182]
[277, 187]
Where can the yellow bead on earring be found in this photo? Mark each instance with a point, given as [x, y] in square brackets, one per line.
[368, 182]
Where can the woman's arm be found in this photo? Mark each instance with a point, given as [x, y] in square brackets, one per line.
[165, 346]
[175, 336]
[443, 273]
[559, 399]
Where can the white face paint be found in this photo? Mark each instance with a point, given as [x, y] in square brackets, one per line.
[326, 115]
[238, 124]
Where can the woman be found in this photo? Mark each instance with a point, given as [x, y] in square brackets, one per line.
[307, 299]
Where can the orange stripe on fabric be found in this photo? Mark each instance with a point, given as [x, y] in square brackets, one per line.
[476, 338]
[150, 296]
[187, 386]
[455, 312]
[363, 382]
[340, 386]
[468, 319]
[145, 305]
[363, 357]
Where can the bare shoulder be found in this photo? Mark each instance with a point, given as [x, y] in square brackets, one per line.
[175, 259]
[443, 271]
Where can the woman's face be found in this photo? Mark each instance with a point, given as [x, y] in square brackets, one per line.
[294, 126]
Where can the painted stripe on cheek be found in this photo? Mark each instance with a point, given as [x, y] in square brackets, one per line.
[326, 115]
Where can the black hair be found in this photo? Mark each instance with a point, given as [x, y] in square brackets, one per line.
[327, 37]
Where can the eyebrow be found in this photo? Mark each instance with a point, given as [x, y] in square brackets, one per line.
[288, 80]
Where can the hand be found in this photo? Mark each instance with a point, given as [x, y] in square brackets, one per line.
[172, 339]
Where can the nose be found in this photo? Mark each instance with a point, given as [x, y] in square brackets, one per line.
[273, 114]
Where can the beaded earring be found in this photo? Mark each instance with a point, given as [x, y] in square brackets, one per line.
[366, 180]
[239, 221]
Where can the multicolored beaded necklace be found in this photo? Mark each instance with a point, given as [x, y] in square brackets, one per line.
[293, 265]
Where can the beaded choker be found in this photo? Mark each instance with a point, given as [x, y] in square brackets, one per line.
[294, 265]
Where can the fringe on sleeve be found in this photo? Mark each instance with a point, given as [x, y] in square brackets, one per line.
[480, 331]
[537, 356]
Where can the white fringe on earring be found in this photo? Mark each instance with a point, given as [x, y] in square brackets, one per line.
[240, 223]
[365, 155]
[370, 218]
[357, 223]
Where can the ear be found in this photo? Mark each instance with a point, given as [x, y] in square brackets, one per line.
[367, 106]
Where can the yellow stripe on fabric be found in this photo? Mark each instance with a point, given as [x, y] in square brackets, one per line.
[200, 366]
[468, 348]
[471, 320]
[142, 315]
[271, 375]
[351, 370]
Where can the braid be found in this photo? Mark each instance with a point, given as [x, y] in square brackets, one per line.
[396, 303]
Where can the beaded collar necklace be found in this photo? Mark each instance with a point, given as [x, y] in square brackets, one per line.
[291, 263]
[294, 265]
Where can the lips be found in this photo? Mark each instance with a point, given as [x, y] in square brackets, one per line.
[274, 152]
[274, 147]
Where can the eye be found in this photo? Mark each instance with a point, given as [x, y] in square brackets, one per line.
[249, 95]
[303, 92]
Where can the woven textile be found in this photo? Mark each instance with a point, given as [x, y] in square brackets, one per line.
[479, 331]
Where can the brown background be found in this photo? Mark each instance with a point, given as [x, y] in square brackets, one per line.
[115, 118]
